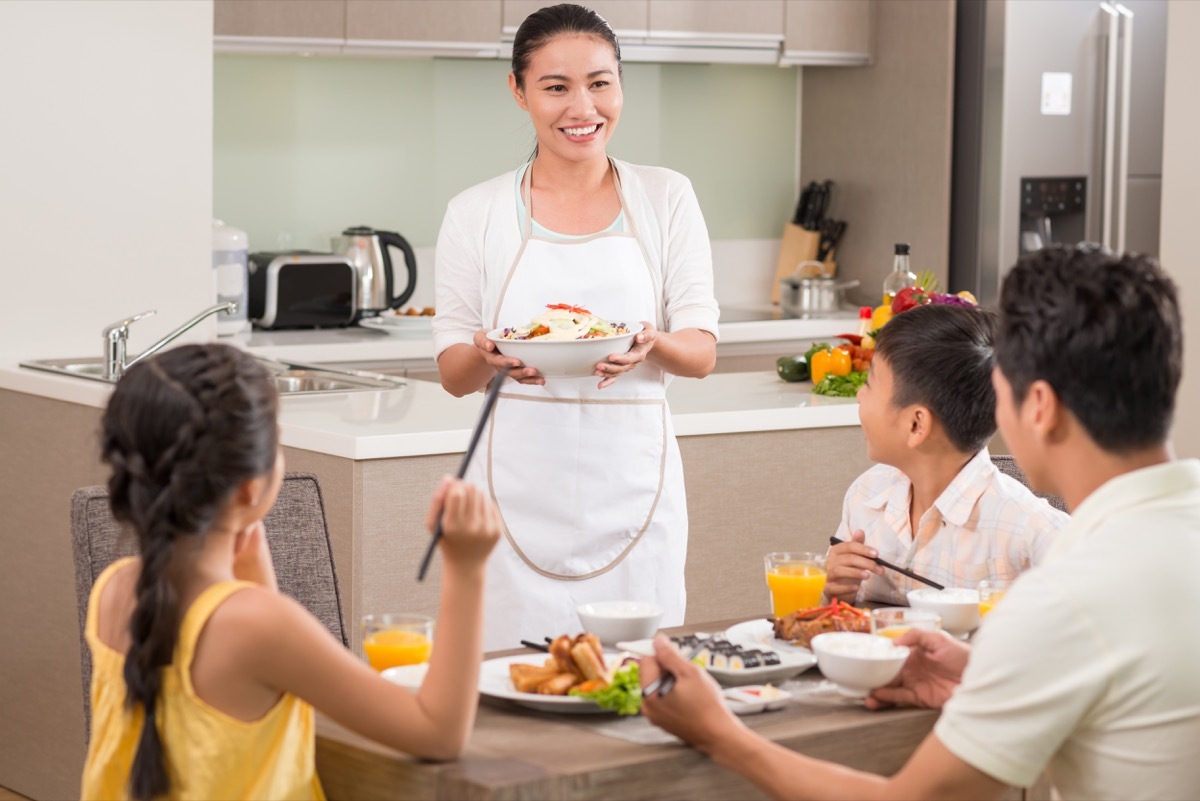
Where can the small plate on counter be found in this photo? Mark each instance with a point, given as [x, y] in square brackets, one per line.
[399, 324]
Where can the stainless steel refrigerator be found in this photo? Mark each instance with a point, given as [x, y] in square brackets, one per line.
[1058, 126]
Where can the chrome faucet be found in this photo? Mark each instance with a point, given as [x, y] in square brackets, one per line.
[116, 336]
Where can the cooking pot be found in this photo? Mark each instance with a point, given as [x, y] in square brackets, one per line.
[807, 295]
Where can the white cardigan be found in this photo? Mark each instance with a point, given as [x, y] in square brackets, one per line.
[481, 234]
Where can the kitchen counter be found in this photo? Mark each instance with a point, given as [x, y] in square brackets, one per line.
[747, 326]
[422, 419]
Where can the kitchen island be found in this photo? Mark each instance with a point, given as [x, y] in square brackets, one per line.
[766, 465]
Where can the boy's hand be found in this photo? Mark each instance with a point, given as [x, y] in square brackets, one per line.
[847, 566]
[471, 523]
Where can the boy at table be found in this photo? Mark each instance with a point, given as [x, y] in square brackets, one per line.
[1087, 668]
[934, 502]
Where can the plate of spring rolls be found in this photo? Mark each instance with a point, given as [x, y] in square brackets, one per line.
[545, 683]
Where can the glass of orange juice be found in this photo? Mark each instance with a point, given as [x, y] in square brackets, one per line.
[990, 593]
[892, 622]
[796, 580]
[394, 639]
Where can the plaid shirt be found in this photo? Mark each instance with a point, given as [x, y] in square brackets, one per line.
[984, 525]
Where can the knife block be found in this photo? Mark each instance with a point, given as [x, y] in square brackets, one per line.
[798, 244]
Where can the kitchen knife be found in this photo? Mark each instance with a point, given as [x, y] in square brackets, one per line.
[803, 205]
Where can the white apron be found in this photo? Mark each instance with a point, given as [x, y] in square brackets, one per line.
[589, 482]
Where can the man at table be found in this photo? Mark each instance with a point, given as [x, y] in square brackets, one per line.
[1087, 669]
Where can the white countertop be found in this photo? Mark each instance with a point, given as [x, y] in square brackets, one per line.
[356, 344]
[422, 419]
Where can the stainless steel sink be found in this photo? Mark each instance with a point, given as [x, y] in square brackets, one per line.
[290, 378]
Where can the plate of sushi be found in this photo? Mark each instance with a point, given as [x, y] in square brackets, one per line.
[737, 662]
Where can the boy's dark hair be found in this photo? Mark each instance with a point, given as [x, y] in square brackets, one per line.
[941, 357]
[1103, 331]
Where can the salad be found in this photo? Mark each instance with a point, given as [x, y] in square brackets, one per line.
[564, 321]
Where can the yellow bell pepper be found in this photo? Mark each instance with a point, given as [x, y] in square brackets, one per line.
[881, 316]
[834, 361]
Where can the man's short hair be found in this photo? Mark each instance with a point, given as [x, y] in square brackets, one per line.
[1103, 331]
[941, 358]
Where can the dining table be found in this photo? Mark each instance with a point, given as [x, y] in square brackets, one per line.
[518, 753]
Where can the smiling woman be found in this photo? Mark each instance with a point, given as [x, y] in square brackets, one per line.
[628, 242]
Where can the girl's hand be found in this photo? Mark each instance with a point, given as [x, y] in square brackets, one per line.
[471, 523]
[643, 343]
[517, 369]
[847, 566]
[252, 556]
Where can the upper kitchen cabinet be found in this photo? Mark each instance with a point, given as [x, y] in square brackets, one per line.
[424, 27]
[279, 25]
[629, 19]
[749, 31]
[828, 32]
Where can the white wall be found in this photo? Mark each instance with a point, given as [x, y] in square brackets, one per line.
[1180, 243]
[105, 171]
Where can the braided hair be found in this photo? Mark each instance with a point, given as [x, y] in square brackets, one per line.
[182, 431]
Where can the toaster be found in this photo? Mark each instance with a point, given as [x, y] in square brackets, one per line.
[302, 289]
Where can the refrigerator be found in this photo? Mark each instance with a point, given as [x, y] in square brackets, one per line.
[1058, 123]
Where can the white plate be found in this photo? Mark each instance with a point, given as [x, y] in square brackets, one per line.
[495, 682]
[398, 324]
[792, 660]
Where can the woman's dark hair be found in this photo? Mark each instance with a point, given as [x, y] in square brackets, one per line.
[941, 357]
[1104, 331]
[182, 430]
[544, 24]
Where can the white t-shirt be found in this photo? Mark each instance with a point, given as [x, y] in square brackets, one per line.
[481, 235]
[1090, 665]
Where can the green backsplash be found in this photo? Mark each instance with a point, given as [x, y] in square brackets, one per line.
[304, 147]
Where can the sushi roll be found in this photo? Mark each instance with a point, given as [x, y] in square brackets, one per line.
[741, 660]
[770, 658]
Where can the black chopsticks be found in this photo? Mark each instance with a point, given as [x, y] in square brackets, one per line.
[536, 646]
[485, 412]
[666, 680]
[901, 570]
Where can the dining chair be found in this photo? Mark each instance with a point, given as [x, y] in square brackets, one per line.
[1008, 466]
[297, 535]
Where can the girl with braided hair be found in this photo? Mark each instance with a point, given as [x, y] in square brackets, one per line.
[206, 676]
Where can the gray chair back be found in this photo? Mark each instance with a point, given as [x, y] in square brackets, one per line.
[1008, 466]
[297, 535]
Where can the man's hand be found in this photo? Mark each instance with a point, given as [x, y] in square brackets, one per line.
[935, 665]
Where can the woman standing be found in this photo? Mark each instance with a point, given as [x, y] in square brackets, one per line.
[586, 473]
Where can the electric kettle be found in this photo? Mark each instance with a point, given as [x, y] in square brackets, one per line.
[368, 250]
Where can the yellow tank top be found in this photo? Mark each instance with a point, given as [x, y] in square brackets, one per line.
[209, 754]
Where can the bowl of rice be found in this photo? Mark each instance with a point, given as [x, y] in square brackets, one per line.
[959, 607]
[857, 663]
[565, 341]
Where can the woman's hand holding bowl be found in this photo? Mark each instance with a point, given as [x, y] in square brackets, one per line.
[620, 363]
[515, 367]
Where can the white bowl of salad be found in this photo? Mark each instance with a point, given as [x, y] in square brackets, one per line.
[565, 342]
